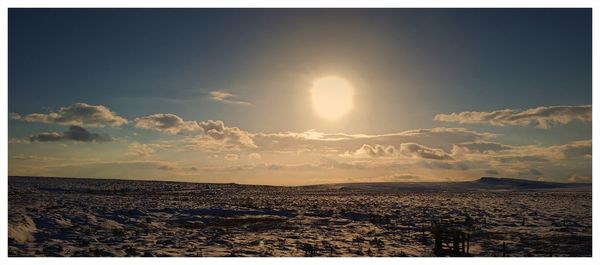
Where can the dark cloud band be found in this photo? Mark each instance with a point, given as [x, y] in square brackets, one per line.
[75, 133]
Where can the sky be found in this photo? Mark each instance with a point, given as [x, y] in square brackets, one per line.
[301, 96]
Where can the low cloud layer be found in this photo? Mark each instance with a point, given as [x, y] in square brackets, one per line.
[491, 172]
[404, 178]
[542, 117]
[226, 97]
[232, 157]
[224, 150]
[483, 147]
[80, 114]
[438, 138]
[575, 178]
[405, 150]
[524, 153]
[139, 149]
[132, 169]
[165, 122]
[75, 133]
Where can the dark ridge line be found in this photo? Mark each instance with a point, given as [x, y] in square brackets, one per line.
[481, 180]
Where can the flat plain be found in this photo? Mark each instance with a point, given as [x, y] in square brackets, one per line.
[92, 217]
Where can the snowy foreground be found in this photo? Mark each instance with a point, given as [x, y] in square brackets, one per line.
[78, 217]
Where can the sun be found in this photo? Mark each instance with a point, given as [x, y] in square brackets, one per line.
[332, 97]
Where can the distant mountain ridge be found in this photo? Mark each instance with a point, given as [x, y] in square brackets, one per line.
[482, 184]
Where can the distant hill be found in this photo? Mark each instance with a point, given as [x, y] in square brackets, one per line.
[482, 184]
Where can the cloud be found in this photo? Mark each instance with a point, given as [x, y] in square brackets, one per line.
[491, 172]
[462, 166]
[226, 97]
[213, 134]
[575, 178]
[442, 138]
[213, 125]
[165, 122]
[541, 178]
[542, 117]
[555, 161]
[404, 177]
[34, 158]
[218, 137]
[130, 169]
[442, 165]
[80, 114]
[75, 133]
[482, 147]
[407, 150]
[168, 167]
[522, 153]
[47, 137]
[575, 149]
[535, 172]
[520, 158]
[323, 164]
[448, 152]
[419, 151]
[139, 149]
[18, 141]
[232, 157]
[326, 162]
[376, 151]
[254, 156]
[14, 116]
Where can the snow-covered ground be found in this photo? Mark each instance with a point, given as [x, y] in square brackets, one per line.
[77, 217]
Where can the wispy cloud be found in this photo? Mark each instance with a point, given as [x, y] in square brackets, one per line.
[139, 149]
[542, 117]
[438, 138]
[226, 97]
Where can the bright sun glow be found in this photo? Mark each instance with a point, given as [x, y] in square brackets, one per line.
[332, 97]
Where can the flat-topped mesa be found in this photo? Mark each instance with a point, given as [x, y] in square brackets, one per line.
[505, 181]
[522, 183]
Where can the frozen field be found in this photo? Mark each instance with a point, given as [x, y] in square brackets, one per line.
[76, 217]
